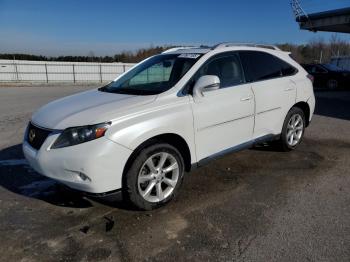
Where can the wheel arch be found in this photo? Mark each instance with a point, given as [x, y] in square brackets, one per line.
[175, 140]
[304, 106]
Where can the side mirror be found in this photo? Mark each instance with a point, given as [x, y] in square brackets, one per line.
[205, 84]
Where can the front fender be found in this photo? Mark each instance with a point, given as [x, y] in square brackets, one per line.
[175, 118]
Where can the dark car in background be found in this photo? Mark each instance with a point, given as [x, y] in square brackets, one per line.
[328, 76]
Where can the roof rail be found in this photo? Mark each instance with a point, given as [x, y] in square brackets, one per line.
[178, 48]
[221, 45]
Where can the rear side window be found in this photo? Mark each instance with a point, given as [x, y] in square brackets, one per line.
[260, 66]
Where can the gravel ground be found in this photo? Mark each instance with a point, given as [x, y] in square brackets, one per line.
[255, 205]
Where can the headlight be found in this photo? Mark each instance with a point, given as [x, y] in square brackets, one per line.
[77, 135]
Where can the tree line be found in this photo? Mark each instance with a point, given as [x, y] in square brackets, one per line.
[125, 57]
[315, 51]
[318, 50]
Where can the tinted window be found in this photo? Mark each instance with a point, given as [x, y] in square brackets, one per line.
[312, 69]
[332, 67]
[262, 66]
[287, 69]
[227, 68]
[319, 69]
[308, 68]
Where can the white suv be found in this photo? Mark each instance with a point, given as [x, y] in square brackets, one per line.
[172, 112]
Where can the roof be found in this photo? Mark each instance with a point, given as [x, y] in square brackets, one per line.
[204, 50]
[228, 44]
[187, 50]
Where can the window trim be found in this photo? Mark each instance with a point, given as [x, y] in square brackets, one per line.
[272, 78]
[184, 92]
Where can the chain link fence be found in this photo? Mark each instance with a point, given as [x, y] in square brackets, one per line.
[42, 71]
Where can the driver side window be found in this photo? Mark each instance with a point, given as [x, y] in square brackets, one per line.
[227, 68]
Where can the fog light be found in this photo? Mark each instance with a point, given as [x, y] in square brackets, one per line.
[80, 175]
[84, 177]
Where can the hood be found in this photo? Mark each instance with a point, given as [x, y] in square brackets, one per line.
[86, 108]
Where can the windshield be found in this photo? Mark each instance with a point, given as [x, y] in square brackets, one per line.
[332, 67]
[153, 76]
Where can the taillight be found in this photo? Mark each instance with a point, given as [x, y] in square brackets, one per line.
[311, 77]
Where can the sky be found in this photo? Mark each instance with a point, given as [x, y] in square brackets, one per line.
[107, 27]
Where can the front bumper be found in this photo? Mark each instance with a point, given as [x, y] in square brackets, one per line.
[95, 167]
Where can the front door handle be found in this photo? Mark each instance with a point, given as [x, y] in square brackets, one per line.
[246, 98]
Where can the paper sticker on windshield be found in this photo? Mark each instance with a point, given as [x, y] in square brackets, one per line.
[193, 56]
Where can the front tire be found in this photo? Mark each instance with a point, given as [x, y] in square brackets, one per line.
[155, 176]
[293, 129]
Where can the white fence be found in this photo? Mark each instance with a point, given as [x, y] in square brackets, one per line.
[43, 71]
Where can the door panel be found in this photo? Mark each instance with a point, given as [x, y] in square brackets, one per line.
[223, 119]
[320, 75]
[273, 88]
[273, 99]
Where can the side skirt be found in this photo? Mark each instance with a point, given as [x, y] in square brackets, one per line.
[246, 145]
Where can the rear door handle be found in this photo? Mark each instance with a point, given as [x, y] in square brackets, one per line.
[246, 98]
[289, 89]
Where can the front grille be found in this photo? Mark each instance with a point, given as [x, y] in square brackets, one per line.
[36, 136]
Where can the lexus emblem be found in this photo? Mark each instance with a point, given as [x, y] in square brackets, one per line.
[31, 135]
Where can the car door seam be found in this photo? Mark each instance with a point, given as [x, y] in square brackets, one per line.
[191, 101]
[254, 112]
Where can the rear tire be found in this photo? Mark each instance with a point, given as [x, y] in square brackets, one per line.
[155, 176]
[293, 129]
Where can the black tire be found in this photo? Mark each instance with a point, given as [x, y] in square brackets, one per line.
[132, 191]
[283, 143]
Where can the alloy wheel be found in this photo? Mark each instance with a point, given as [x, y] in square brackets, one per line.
[158, 177]
[295, 129]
